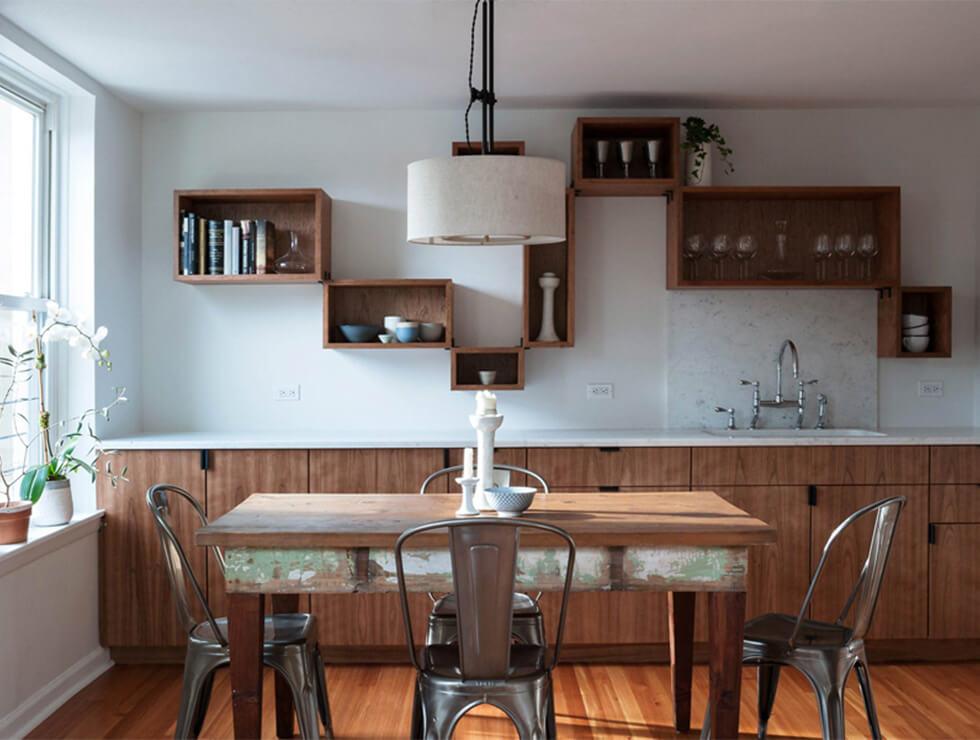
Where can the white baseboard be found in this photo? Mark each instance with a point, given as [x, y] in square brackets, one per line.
[43, 702]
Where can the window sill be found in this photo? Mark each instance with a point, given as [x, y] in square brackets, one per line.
[44, 540]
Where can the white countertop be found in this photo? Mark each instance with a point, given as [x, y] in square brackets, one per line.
[527, 438]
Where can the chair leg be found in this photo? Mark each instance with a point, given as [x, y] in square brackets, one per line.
[831, 703]
[529, 711]
[294, 666]
[202, 704]
[196, 675]
[864, 679]
[417, 729]
[551, 731]
[323, 698]
[768, 683]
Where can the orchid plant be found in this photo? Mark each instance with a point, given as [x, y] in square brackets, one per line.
[72, 445]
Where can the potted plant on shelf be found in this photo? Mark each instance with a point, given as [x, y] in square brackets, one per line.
[72, 446]
[700, 139]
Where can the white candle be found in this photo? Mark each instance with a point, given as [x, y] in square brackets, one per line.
[486, 403]
[468, 463]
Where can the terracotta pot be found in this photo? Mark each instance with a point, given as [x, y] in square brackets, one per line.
[15, 518]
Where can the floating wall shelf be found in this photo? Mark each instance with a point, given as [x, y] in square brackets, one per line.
[935, 302]
[560, 259]
[507, 362]
[585, 167]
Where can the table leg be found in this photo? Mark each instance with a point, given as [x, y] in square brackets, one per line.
[681, 607]
[246, 622]
[284, 604]
[726, 619]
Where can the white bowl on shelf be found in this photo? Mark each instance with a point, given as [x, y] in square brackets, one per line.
[916, 331]
[915, 344]
[914, 319]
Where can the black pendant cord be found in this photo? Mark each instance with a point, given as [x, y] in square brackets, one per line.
[485, 96]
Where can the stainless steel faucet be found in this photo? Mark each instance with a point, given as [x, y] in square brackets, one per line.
[779, 400]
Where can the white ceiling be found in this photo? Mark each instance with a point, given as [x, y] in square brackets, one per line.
[231, 54]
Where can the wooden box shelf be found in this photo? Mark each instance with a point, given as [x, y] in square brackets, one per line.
[369, 301]
[305, 211]
[808, 212]
[508, 362]
[560, 259]
[936, 302]
[585, 171]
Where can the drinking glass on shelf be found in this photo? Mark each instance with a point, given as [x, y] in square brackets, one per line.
[822, 251]
[694, 248]
[721, 248]
[867, 250]
[781, 240]
[626, 154]
[601, 156]
[653, 155]
[844, 249]
[745, 250]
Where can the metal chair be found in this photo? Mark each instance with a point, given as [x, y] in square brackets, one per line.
[825, 653]
[484, 666]
[528, 624]
[289, 644]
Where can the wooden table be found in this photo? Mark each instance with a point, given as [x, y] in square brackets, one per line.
[682, 543]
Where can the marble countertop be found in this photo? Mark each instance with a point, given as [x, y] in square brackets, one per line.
[531, 438]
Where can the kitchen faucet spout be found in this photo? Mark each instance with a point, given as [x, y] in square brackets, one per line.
[779, 367]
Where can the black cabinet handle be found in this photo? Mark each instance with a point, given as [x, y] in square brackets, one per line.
[608, 489]
[932, 533]
[610, 449]
[205, 460]
[811, 495]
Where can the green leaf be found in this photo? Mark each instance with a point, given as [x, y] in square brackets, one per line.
[32, 484]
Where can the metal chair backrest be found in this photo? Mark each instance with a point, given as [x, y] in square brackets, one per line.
[864, 596]
[459, 468]
[179, 570]
[483, 553]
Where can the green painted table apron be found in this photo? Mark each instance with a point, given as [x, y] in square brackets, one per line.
[284, 545]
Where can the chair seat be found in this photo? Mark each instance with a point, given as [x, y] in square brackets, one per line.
[523, 606]
[443, 660]
[280, 629]
[772, 631]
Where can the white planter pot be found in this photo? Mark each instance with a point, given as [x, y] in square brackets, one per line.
[702, 175]
[55, 505]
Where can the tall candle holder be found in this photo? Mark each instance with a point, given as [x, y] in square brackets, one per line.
[467, 506]
[486, 426]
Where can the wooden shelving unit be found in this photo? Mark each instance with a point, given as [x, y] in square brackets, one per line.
[467, 362]
[588, 131]
[936, 302]
[369, 301]
[558, 258]
[305, 211]
[808, 211]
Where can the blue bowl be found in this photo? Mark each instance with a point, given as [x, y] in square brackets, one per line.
[360, 333]
[407, 334]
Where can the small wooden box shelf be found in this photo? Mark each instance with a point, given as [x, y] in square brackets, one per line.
[369, 301]
[585, 170]
[558, 258]
[808, 211]
[508, 362]
[462, 149]
[936, 302]
[305, 211]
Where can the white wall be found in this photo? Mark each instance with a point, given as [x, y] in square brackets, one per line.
[212, 355]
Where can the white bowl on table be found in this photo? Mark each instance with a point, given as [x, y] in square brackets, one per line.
[510, 501]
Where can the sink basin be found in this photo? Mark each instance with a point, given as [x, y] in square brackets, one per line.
[764, 433]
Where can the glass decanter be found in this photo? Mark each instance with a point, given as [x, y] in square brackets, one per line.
[293, 261]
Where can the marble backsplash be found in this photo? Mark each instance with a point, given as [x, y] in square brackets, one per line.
[717, 337]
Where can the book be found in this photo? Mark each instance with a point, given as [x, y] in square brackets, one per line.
[216, 247]
[248, 245]
[184, 243]
[201, 243]
[231, 257]
[265, 234]
[236, 246]
[189, 245]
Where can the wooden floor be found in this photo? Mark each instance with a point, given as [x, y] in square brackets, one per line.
[914, 701]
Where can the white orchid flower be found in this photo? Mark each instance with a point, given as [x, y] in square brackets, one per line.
[51, 308]
[100, 334]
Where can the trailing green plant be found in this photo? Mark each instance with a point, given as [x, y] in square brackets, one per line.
[73, 445]
[698, 135]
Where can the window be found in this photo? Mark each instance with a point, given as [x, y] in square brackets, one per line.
[25, 138]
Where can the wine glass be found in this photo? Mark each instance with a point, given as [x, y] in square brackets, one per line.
[745, 250]
[867, 249]
[822, 251]
[781, 240]
[721, 248]
[626, 154]
[602, 156]
[653, 155]
[844, 249]
[694, 248]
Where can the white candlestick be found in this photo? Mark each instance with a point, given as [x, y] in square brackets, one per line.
[485, 427]
[467, 463]
[486, 403]
[467, 506]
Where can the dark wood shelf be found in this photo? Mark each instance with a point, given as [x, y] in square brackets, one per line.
[369, 301]
[588, 131]
[467, 362]
[936, 302]
[558, 258]
[305, 211]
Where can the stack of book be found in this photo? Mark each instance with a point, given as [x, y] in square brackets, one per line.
[226, 247]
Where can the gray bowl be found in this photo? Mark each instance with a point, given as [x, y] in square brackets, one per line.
[360, 333]
[510, 501]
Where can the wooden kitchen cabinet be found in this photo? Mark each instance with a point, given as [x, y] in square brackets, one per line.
[137, 604]
[566, 467]
[955, 464]
[233, 476]
[504, 456]
[954, 581]
[902, 607]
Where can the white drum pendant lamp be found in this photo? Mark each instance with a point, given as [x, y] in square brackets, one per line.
[486, 199]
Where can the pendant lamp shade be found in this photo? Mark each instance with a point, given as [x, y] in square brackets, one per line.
[485, 200]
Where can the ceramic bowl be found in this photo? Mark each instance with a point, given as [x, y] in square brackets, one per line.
[407, 332]
[391, 322]
[431, 331]
[386, 338]
[510, 501]
[487, 376]
[917, 331]
[914, 319]
[360, 333]
[915, 344]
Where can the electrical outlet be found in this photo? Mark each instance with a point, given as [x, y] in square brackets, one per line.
[931, 388]
[599, 391]
[286, 393]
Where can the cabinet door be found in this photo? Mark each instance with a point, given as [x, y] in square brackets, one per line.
[902, 605]
[233, 476]
[612, 466]
[954, 582]
[504, 456]
[957, 464]
[364, 620]
[138, 607]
